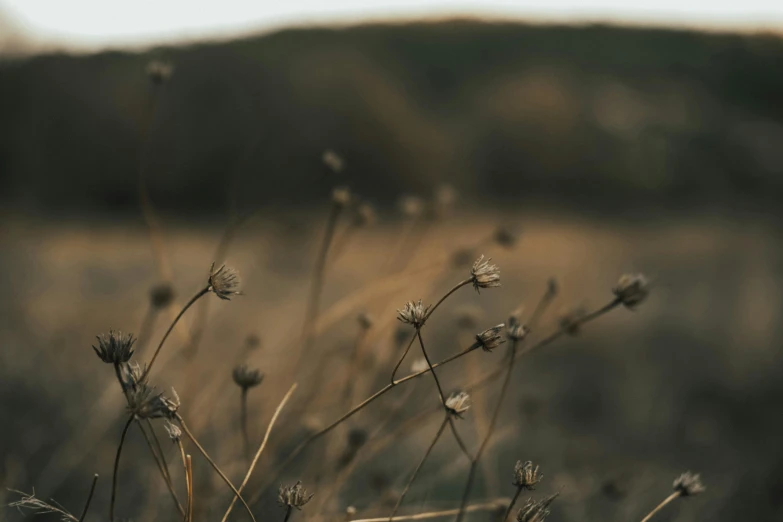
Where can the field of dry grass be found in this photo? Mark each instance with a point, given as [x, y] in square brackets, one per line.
[687, 381]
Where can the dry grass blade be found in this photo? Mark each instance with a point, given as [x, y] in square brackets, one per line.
[487, 506]
[40, 507]
[89, 498]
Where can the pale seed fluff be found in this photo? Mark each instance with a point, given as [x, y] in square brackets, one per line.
[490, 338]
[413, 313]
[420, 365]
[333, 161]
[293, 496]
[224, 282]
[175, 434]
[631, 289]
[458, 403]
[688, 484]
[484, 275]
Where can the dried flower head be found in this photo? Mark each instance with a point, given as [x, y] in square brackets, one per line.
[333, 161]
[365, 320]
[420, 365]
[411, 206]
[490, 338]
[131, 375]
[688, 484]
[341, 196]
[571, 321]
[365, 215]
[175, 434]
[458, 403]
[161, 295]
[533, 511]
[114, 348]
[224, 282]
[293, 496]
[505, 236]
[516, 331]
[526, 476]
[631, 289]
[159, 72]
[485, 275]
[246, 378]
[145, 402]
[413, 313]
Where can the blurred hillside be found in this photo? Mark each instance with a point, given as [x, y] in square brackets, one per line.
[595, 117]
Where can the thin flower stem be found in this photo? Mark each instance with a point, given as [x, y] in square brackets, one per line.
[288, 511]
[419, 466]
[189, 481]
[212, 463]
[459, 440]
[487, 506]
[511, 506]
[159, 448]
[260, 449]
[162, 466]
[492, 423]
[404, 354]
[243, 423]
[89, 498]
[188, 485]
[117, 467]
[432, 370]
[193, 299]
[661, 506]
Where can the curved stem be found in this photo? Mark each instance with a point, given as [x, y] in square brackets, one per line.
[171, 327]
[404, 354]
[510, 506]
[418, 468]
[661, 506]
[89, 498]
[459, 440]
[440, 301]
[161, 463]
[288, 511]
[432, 370]
[117, 467]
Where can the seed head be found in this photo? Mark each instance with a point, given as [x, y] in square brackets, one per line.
[458, 403]
[159, 72]
[114, 348]
[246, 378]
[333, 161]
[631, 290]
[485, 275]
[131, 374]
[145, 402]
[490, 338]
[293, 496]
[526, 476]
[505, 236]
[365, 215]
[411, 206]
[533, 511]
[516, 331]
[175, 434]
[688, 484]
[413, 313]
[341, 196]
[365, 320]
[571, 321]
[224, 282]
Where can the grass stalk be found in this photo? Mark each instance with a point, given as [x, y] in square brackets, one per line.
[661, 506]
[117, 467]
[89, 498]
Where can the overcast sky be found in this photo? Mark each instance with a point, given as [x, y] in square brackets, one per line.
[96, 24]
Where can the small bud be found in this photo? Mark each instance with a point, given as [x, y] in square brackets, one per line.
[458, 403]
[516, 331]
[365, 320]
[485, 275]
[413, 313]
[161, 295]
[688, 484]
[175, 434]
[526, 476]
[631, 290]
[350, 512]
[224, 282]
[293, 496]
[246, 378]
[490, 338]
[571, 321]
[159, 72]
[535, 511]
[333, 161]
[341, 196]
[114, 348]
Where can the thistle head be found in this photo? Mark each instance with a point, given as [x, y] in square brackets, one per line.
[532, 511]
[159, 72]
[688, 484]
[224, 282]
[631, 290]
[333, 161]
[484, 275]
[413, 313]
[246, 378]
[490, 338]
[516, 331]
[114, 347]
[293, 496]
[161, 295]
[458, 403]
[526, 475]
[173, 431]
[145, 402]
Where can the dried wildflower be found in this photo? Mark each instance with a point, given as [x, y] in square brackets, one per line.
[131, 375]
[246, 378]
[293, 496]
[533, 511]
[468, 317]
[688, 484]
[526, 476]
[458, 403]
[490, 338]
[175, 434]
[224, 282]
[341, 196]
[516, 331]
[365, 215]
[365, 320]
[420, 365]
[413, 313]
[145, 402]
[159, 72]
[411, 206]
[161, 295]
[631, 289]
[505, 236]
[333, 160]
[571, 321]
[485, 275]
[114, 348]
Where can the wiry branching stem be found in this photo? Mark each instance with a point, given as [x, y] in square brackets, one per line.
[432, 370]
[89, 498]
[661, 506]
[418, 467]
[117, 467]
[160, 462]
[511, 505]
